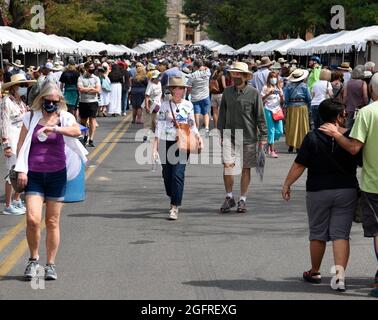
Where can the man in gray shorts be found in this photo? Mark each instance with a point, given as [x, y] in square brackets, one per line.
[242, 111]
[365, 137]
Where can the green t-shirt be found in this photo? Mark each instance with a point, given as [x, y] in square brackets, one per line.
[313, 77]
[365, 129]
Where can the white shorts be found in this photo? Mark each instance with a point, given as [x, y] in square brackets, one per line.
[216, 100]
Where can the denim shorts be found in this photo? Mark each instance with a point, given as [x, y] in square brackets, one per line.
[49, 185]
[202, 106]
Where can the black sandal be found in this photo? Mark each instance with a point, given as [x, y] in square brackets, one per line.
[312, 277]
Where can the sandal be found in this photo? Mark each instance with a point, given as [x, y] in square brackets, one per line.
[312, 277]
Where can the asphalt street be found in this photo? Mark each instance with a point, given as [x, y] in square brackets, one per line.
[118, 244]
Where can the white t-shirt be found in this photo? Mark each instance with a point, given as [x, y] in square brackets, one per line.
[273, 101]
[320, 90]
[200, 81]
[154, 91]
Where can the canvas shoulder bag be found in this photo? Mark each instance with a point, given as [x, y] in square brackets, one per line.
[186, 139]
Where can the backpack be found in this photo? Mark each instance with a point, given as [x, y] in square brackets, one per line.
[214, 86]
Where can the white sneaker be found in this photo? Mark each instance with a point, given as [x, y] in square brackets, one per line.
[13, 211]
[173, 214]
[19, 205]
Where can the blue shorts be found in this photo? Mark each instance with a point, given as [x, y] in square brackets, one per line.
[51, 186]
[202, 106]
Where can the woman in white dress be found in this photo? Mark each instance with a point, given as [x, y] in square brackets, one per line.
[116, 79]
[12, 110]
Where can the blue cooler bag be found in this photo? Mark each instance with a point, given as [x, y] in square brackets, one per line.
[75, 189]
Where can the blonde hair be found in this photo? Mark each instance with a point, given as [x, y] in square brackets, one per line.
[325, 75]
[47, 90]
[140, 72]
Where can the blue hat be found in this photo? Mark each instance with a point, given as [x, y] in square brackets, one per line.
[315, 58]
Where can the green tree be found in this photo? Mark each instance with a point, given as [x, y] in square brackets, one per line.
[250, 21]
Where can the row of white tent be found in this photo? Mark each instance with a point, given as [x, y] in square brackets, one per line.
[28, 41]
[343, 41]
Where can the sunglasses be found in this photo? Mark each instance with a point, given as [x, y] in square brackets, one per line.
[51, 101]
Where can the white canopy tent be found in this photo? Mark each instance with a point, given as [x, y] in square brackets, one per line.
[148, 47]
[224, 50]
[19, 42]
[341, 42]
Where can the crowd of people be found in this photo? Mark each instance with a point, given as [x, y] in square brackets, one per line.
[328, 117]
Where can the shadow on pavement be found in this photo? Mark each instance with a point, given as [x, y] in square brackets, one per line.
[357, 287]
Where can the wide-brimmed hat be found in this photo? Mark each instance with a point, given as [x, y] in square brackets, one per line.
[176, 82]
[345, 66]
[281, 60]
[298, 75]
[155, 74]
[265, 62]
[33, 69]
[276, 66]
[294, 61]
[57, 66]
[240, 67]
[18, 63]
[17, 79]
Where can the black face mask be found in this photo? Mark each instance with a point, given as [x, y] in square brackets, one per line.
[50, 106]
[238, 81]
[91, 71]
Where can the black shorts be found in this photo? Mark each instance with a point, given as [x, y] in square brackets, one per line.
[88, 110]
[370, 214]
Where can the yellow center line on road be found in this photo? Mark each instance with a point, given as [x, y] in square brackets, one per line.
[10, 261]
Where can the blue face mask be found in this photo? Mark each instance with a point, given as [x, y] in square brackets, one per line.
[273, 81]
[50, 106]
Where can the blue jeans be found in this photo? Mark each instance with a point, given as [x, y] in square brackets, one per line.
[125, 98]
[275, 128]
[173, 174]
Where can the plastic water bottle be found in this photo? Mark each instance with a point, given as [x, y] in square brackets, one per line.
[155, 164]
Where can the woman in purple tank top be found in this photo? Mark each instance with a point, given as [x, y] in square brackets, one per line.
[46, 176]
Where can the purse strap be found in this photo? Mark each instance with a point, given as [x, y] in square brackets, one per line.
[173, 114]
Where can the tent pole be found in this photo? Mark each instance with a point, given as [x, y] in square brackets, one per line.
[37, 59]
[12, 56]
[1, 57]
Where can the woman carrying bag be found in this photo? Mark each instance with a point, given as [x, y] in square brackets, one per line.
[174, 113]
[48, 156]
[273, 98]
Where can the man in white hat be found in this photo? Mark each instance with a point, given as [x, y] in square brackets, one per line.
[12, 110]
[241, 109]
[17, 68]
[261, 76]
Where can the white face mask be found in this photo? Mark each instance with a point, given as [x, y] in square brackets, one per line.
[22, 91]
[273, 81]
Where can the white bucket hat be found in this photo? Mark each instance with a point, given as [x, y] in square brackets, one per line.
[240, 67]
[18, 64]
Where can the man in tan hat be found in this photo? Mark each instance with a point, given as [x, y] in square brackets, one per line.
[241, 109]
[346, 70]
[261, 76]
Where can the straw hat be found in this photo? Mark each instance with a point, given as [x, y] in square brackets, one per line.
[294, 61]
[33, 69]
[240, 67]
[176, 82]
[17, 79]
[298, 75]
[281, 60]
[155, 74]
[345, 66]
[265, 62]
[18, 64]
[57, 67]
